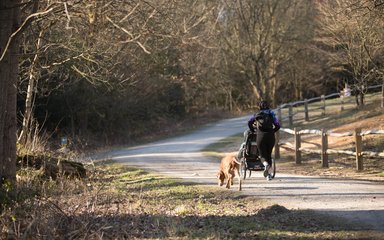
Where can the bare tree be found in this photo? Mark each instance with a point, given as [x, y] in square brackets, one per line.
[91, 49]
[9, 24]
[260, 36]
[24, 136]
[353, 35]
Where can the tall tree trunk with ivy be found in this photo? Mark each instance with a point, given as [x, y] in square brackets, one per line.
[9, 60]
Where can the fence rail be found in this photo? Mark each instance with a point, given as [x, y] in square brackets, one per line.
[306, 110]
[325, 151]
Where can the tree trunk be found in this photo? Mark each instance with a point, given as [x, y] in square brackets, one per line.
[28, 113]
[362, 98]
[357, 99]
[271, 89]
[255, 90]
[273, 92]
[9, 21]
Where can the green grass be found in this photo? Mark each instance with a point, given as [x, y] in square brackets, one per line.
[121, 202]
[223, 143]
[218, 149]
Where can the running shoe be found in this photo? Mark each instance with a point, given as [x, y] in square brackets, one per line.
[266, 171]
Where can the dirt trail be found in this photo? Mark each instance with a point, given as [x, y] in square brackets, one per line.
[180, 157]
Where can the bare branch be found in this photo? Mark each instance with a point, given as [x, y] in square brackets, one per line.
[119, 27]
[68, 16]
[133, 38]
[62, 62]
[142, 47]
[23, 25]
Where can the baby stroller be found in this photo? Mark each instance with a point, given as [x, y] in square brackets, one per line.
[250, 160]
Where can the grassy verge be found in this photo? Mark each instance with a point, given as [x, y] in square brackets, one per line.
[225, 145]
[120, 202]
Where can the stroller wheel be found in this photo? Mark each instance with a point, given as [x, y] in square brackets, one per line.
[243, 169]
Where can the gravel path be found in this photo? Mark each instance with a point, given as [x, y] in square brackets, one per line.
[180, 157]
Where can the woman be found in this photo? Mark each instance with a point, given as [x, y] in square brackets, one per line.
[265, 123]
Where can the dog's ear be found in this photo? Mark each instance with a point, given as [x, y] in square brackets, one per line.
[220, 175]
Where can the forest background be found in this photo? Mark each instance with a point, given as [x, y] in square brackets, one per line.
[112, 71]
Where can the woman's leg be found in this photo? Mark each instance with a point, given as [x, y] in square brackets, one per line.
[265, 144]
[269, 146]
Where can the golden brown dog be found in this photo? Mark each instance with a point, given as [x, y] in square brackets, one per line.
[229, 167]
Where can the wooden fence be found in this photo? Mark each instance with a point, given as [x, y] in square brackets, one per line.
[342, 101]
[325, 151]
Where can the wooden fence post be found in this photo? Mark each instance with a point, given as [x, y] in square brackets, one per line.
[324, 147]
[342, 102]
[290, 113]
[277, 148]
[279, 116]
[297, 146]
[382, 96]
[359, 149]
[306, 110]
[323, 102]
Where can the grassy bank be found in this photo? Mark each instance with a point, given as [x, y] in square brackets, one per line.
[120, 202]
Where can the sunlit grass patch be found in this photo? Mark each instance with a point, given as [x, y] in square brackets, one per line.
[121, 202]
[219, 149]
[223, 143]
